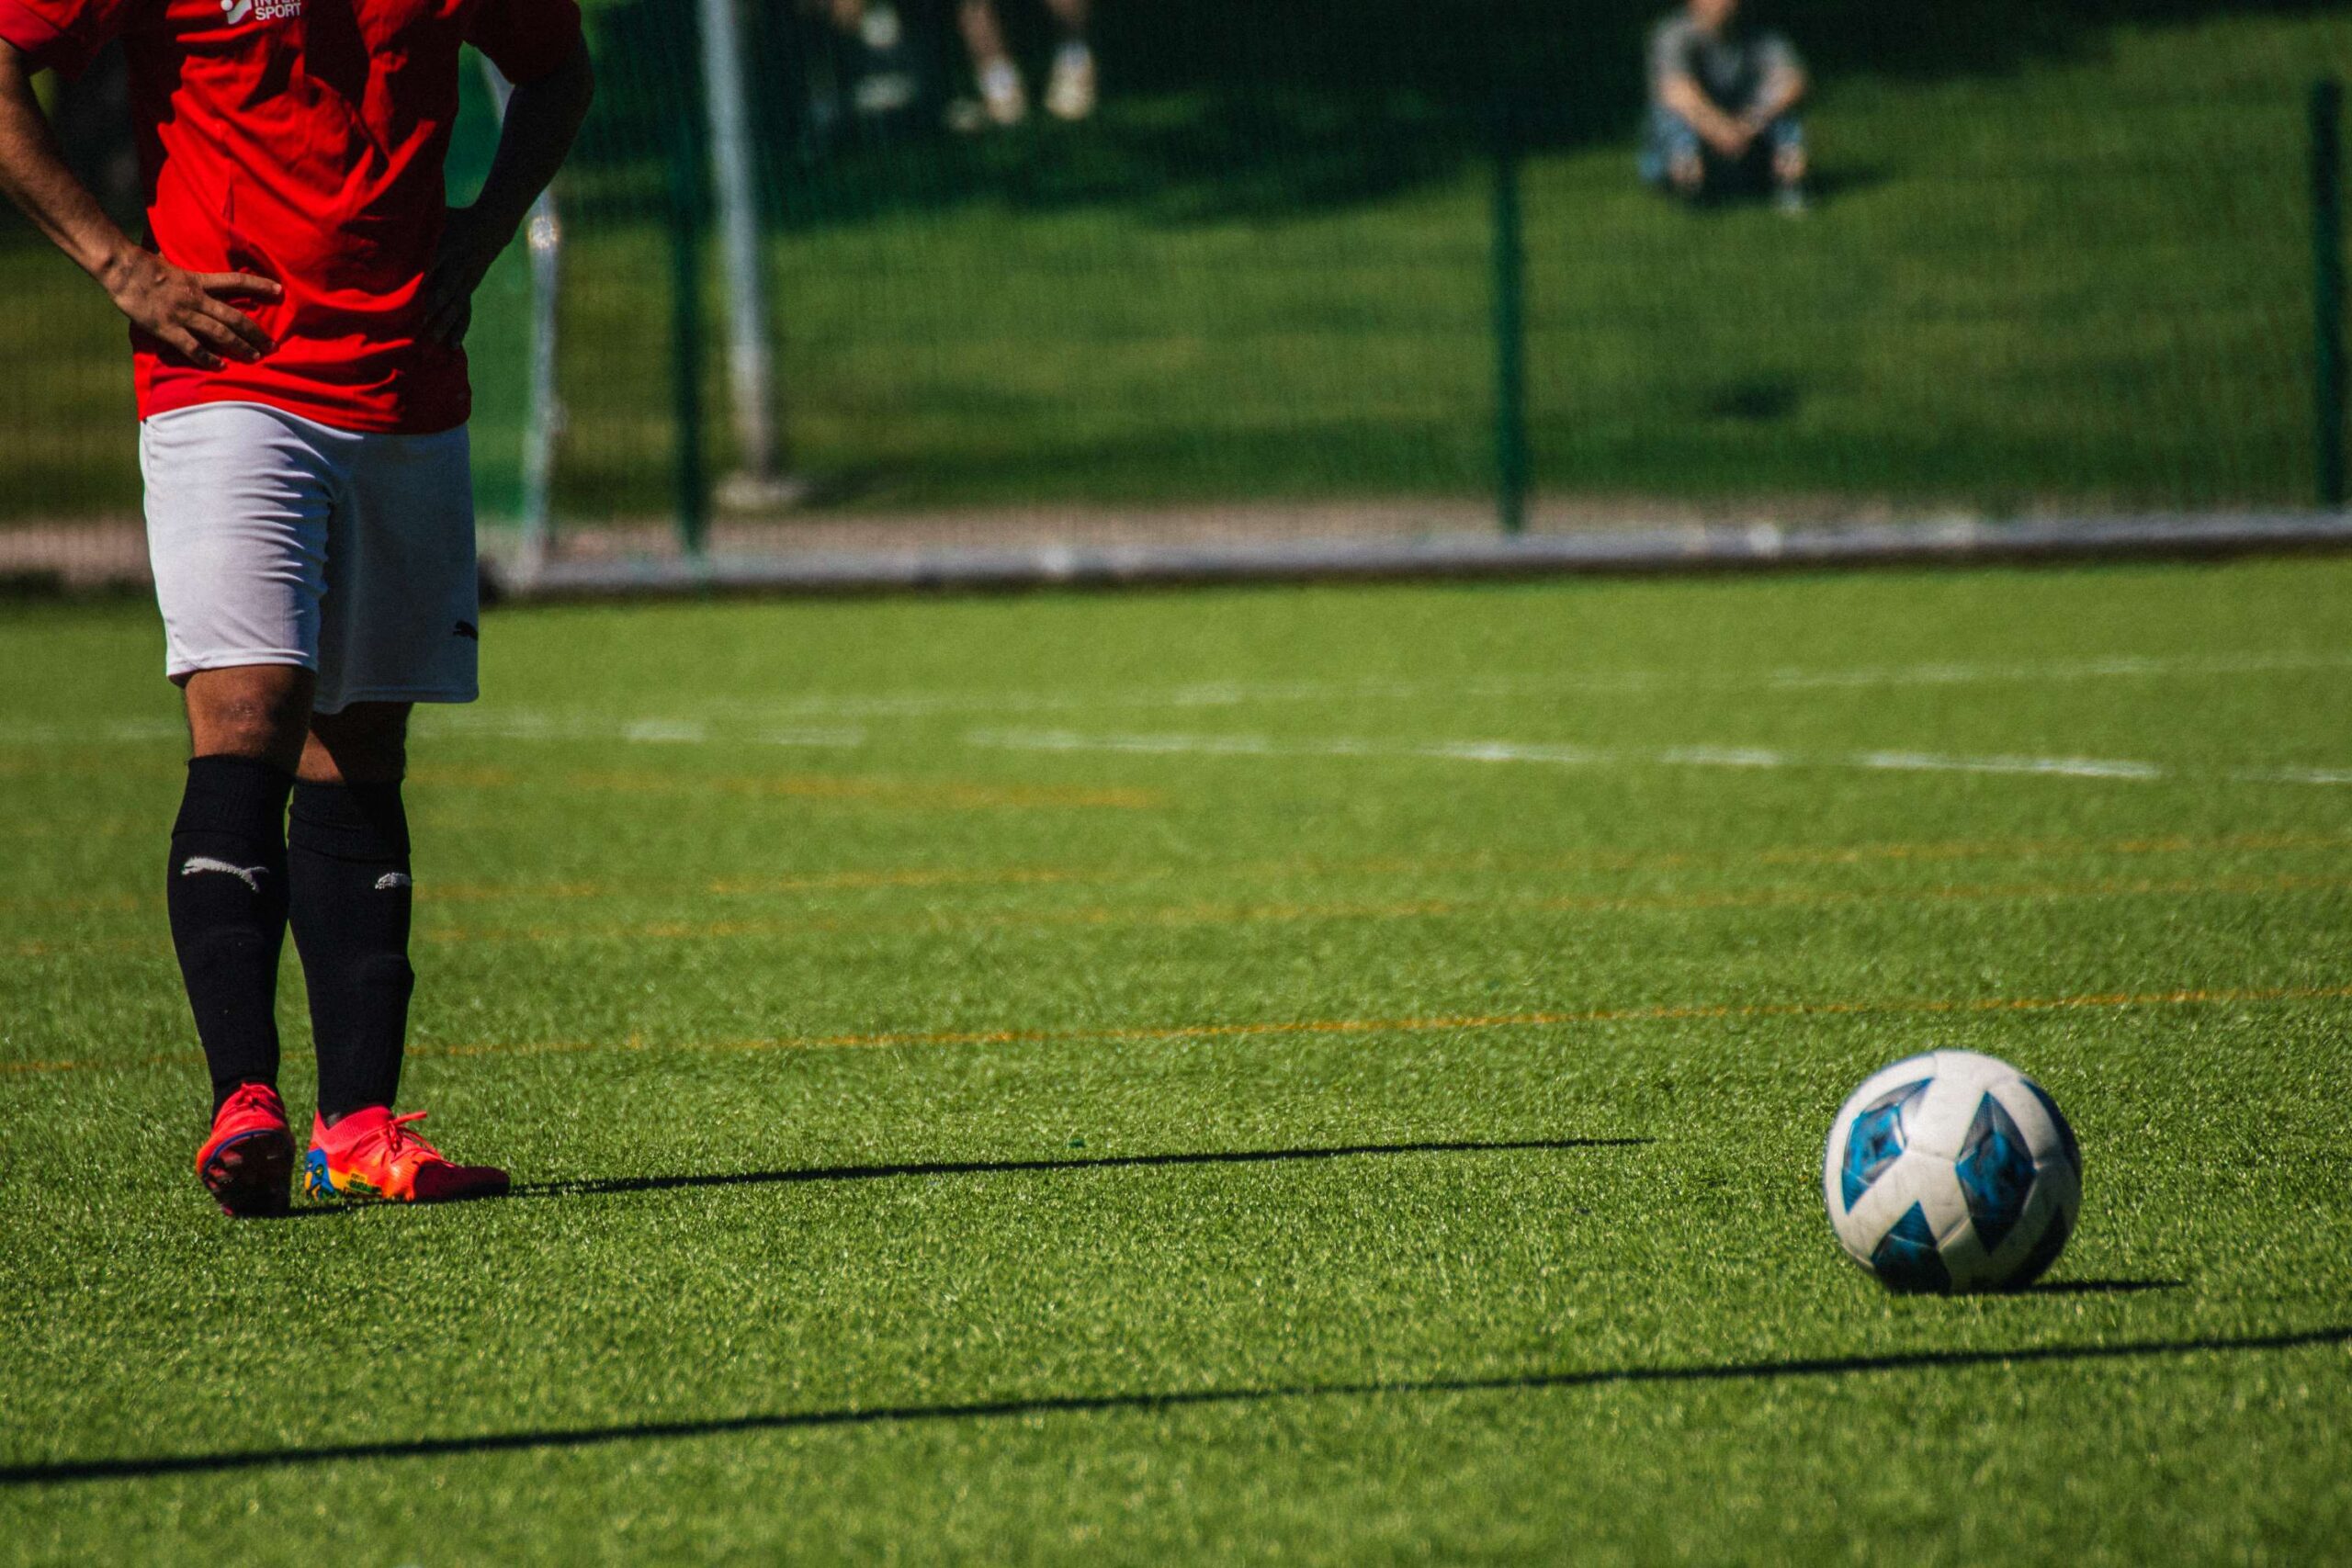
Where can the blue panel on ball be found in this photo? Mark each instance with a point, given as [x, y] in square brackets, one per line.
[2065, 1132]
[1907, 1258]
[1996, 1173]
[2045, 1252]
[1876, 1141]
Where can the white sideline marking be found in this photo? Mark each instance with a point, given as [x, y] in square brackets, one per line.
[2297, 776]
[525, 723]
[1585, 756]
[508, 724]
[104, 729]
[1236, 693]
[1725, 757]
[2066, 767]
[2114, 667]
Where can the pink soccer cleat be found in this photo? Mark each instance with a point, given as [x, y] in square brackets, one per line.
[248, 1162]
[371, 1154]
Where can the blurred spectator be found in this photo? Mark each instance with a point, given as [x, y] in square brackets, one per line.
[875, 64]
[1722, 107]
[883, 64]
[1070, 90]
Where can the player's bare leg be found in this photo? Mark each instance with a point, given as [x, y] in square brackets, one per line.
[1003, 94]
[1790, 168]
[1687, 174]
[260, 712]
[1071, 91]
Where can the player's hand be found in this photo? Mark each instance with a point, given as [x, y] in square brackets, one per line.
[463, 260]
[190, 311]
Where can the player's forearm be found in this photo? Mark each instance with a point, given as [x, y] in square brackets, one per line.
[1682, 96]
[34, 174]
[543, 117]
[1783, 93]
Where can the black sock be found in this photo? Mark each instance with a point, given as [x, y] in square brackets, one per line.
[226, 895]
[347, 863]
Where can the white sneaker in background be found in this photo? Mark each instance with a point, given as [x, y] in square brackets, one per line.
[878, 28]
[1069, 95]
[1002, 92]
[884, 93]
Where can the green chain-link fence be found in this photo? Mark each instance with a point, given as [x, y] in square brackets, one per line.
[2059, 258]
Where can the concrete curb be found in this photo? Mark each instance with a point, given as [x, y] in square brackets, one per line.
[1696, 548]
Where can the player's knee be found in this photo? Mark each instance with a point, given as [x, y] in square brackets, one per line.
[259, 712]
[366, 743]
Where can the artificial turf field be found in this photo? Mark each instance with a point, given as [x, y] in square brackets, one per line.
[1326, 1075]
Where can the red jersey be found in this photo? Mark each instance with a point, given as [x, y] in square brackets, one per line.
[302, 141]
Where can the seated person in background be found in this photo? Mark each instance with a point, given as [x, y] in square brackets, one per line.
[1722, 107]
[873, 62]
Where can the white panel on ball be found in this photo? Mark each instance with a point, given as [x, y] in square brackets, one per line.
[1951, 1171]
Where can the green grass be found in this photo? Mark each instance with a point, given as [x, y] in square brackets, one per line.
[731, 914]
[2078, 282]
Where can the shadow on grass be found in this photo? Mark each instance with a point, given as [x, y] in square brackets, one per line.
[602, 1186]
[1154, 1403]
[2100, 1287]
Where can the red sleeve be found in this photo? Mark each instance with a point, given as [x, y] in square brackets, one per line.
[64, 34]
[524, 38]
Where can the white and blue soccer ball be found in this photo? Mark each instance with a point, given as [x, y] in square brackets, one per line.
[1952, 1171]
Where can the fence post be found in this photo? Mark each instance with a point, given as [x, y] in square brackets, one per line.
[685, 331]
[750, 371]
[1510, 327]
[2327, 286]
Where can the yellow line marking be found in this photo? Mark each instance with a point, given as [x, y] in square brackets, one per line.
[1425, 908]
[1580, 861]
[454, 776]
[1488, 861]
[917, 794]
[1783, 898]
[1700, 1012]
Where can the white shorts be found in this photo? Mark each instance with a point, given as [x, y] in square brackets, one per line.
[279, 540]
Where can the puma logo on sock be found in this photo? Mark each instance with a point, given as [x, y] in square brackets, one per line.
[391, 880]
[195, 865]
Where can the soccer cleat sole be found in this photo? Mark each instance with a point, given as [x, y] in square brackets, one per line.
[252, 1177]
[448, 1184]
[459, 1184]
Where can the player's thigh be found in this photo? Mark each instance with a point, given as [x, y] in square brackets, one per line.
[402, 619]
[238, 502]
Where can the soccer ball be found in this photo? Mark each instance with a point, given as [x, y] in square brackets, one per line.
[1952, 1171]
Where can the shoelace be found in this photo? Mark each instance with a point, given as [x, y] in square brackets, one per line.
[250, 1096]
[398, 1139]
